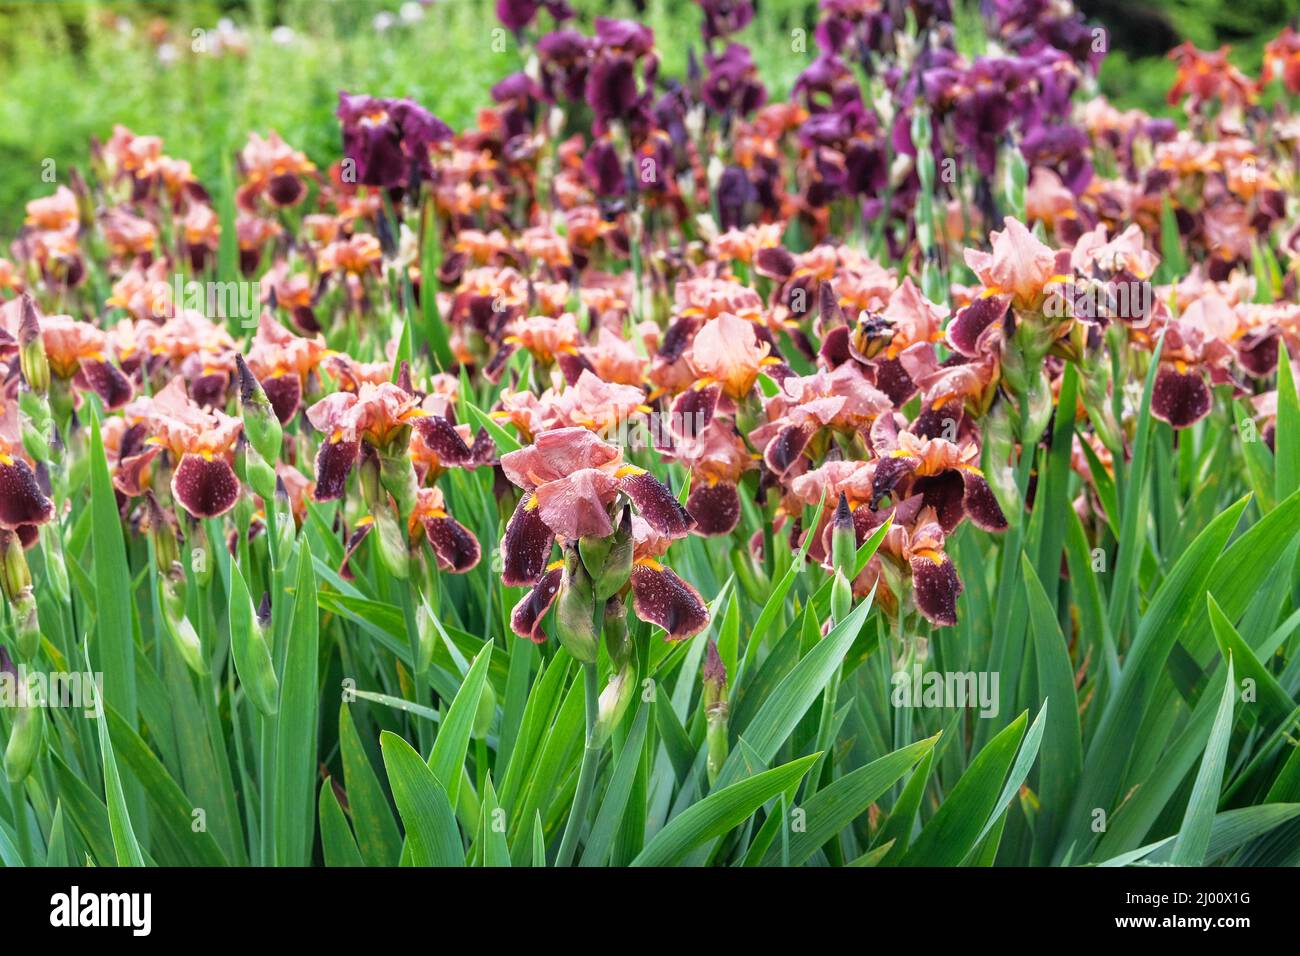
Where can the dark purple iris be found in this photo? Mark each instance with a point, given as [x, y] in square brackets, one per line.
[732, 84]
[604, 169]
[517, 14]
[612, 88]
[388, 140]
[725, 17]
[1031, 26]
[735, 194]
[564, 57]
[627, 36]
[1063, 149]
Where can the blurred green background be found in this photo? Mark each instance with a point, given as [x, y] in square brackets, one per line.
[73, 68]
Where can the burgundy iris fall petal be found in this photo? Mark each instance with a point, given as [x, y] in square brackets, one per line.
[660, 597]
[526, 618]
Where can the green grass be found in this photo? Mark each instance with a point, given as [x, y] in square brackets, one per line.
[68, 77]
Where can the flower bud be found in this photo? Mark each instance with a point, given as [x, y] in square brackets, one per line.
[844, 539]
[31, 348]
[284, 526]
[17, 576]
[593, 552]
[575, 610]
[716, 710]
[609, 560]
[618, 643]
[372, 492]
[171, 597]
[36, 426]
[394, 554]
[201, 560]
[397, 476]
[257, 473]
[27, 625]
[25, 732]
[613, 703]
[166, 543]
[250, 649]
[261, 425]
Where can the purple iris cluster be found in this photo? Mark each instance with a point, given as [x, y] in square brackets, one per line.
[876, 63]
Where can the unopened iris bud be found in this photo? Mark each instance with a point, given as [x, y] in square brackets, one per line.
[201, 560]
[575, 610]
[283, 523]
[27, 625]
[372, 492]
[166, 544]
[171, 597]
[844, 541]
[250, 646]
[593, 552]
[716, 710]
[394, 553]
[36, 426]
[397, 476]
[31, 348]
[261, 424]
[618, 643]
[17, 576]
[609, 560]
[613, 703]
[27, 727]
[255, 470]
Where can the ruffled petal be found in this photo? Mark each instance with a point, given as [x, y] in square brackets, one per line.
[889, 472]
[715, 508]
[936, 587]
[526, 618]
[577, 506]
[893, 380]
[1180, 398]
[22, 501]
[129, 474]
[944, 493]
[443, 439]
[457, 549]
[205, 487]
[981, 506]
[334, 463]
[660, 597]
[786, 446]
[692, 411]
[284, 392]
[966, 328]
[363, 528]
[656, 503]
[108, 382]
[526, 545]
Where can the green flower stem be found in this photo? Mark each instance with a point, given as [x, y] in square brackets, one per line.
[587, 774]
[18, 800]
[422, 727]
